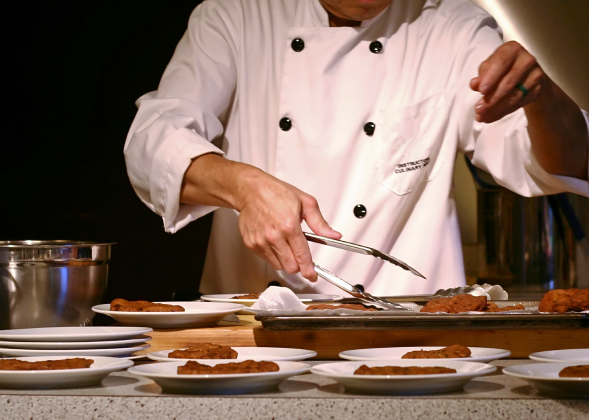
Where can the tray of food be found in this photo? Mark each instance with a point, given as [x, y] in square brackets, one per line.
[557, 309]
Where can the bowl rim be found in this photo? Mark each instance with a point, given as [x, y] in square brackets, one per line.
[58, 243]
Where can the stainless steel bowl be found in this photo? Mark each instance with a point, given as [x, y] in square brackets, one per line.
[51, 283]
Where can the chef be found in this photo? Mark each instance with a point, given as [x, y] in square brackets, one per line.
[344, 117]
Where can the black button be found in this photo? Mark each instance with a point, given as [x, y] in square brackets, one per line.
[376, 47]
[369, 128]
[297, 44]
[285, 124]
[274, 283]
[360, 211]
[360, 287]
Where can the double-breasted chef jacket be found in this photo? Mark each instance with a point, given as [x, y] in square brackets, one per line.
[366, 119]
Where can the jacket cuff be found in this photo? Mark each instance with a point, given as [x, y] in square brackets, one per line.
[175, 155]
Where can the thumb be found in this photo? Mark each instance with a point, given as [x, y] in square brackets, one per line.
[313, 217]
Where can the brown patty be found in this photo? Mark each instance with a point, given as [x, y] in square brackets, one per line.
[247, 366]
[205, 351]
[75, 363]
[456, 304]
[248, 296]
[143, 306]
[580, 371]
[402, 370]
[492, 307]
[564, 300]
[450, 352]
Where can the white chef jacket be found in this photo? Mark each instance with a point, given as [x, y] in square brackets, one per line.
[235, 75]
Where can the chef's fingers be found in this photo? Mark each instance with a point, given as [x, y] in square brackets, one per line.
[497, 66]
[514, 99]
[277, 243]
[300, 248]
[501, 79]
[310, 212]
[259, 247]
[510, 86]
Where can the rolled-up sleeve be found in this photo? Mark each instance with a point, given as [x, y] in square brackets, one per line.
[503, 148]
[179, 121]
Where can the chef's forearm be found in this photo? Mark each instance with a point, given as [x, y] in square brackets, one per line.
[215, 181]
[559, 134]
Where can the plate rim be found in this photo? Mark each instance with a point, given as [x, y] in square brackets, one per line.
[68, 343]
[136, 370]
[486, 369]
[208, 298]
[534, 356]
[73, 352]
[153, 356]
[123, 362]
[42, 337]
[506, 370]
[504, 353]
[239, 307]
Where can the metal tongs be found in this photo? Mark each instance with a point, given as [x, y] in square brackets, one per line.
[354, 291]
[359, 249]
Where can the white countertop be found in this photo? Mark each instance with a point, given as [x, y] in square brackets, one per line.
[307, 396]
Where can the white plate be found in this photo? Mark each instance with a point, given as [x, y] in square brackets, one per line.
[72, 333]
[164, 374]
[545, 378]
[66, 378]
[478, 354]
[68, 345]
[244, 353]
[343, 373]
[197, 314]
[571, 355]
[118, 352]
[305, 298]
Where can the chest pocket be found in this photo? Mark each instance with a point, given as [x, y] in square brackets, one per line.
[410, 144]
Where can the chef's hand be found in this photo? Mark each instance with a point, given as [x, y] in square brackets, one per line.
[271, 212]
[509, 79]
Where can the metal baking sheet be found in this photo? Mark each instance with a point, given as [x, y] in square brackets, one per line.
[421, 320]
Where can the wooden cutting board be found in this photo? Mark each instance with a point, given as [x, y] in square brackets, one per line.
[328, 343]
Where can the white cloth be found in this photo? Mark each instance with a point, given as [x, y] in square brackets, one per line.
[234, 75]
[278, 298]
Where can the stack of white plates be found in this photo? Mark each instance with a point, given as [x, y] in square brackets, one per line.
[120, 342]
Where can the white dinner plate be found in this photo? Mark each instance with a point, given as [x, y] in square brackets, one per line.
[305, 298]
[117, 352]
[164, 374]
[197, 314]
[478, 354]
[570, 355]
[72, 333]
[343, 373]
[244, 353]
[66, 378]
[69, 345]
[545, 378]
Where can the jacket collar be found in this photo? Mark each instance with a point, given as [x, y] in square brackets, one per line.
[318, 16]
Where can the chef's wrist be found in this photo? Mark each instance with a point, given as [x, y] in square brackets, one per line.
[208, 181]
[558, 133]
[246, 179]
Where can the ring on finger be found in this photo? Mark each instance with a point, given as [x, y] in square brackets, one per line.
[524, 90]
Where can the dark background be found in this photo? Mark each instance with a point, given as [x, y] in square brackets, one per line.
[74, 74]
